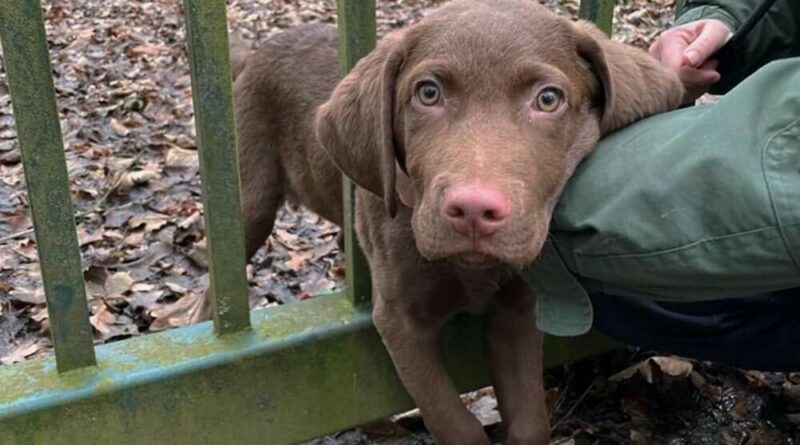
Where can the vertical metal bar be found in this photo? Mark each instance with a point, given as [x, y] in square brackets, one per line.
[212, 93]
[356, 39]
[601, 12]
[33, 97]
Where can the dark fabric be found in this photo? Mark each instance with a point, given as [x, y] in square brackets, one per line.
[759, 333]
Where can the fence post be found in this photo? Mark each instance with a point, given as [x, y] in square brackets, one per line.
[39, 132]
[356, 39]
[212, 94]
[601, 12]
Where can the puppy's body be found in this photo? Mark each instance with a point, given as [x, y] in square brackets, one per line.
[489, 142]
[277, 92]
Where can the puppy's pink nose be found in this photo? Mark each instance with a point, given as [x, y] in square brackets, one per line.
[476, 209]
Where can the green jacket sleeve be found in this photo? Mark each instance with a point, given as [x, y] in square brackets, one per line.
[776, 36]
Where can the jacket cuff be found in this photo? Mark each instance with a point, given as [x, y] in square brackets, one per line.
[707, 12]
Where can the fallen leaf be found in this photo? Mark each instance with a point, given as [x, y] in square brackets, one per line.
[485, 409]
[671, 366]
[190, 221]
[175, 314]
[146, 49]
[119, 128]
[181, 158]
[150, 221]
[10, 157]
[142, 287]
[118, 217]
[102, 318]
[22, 351]
[176, 288]
[674, 366]
[28, 296]
[118, 283]
[139, 177]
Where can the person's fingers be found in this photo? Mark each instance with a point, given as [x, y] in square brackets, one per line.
[687, 49]
[698, 78]
[703, 78]
[706, 74]
[671, 51]
[712, 36]
[697, 82]
[710, 64]
[670, 45]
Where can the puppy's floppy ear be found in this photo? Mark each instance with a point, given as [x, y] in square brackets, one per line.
[356, 125]
[635, 85]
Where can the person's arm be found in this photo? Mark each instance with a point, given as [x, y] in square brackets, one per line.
[777, 34]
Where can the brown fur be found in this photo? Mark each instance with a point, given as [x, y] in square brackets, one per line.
[491, 57]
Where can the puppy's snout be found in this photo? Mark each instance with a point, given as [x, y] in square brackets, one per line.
[476, 209]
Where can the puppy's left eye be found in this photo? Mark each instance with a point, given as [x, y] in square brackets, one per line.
[549, 99]
[429, 93]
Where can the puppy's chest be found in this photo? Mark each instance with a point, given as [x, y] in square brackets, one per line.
[479, 289]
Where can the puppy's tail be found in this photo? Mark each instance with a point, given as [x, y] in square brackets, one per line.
[240, 51]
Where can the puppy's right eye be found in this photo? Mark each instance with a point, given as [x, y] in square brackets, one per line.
[549, 99]
[429, 94]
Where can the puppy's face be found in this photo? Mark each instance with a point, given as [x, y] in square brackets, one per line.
[493, 111]
[476, 117]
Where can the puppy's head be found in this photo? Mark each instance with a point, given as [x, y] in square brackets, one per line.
[476, 117]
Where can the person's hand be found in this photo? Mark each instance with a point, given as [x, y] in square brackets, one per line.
[688, 48]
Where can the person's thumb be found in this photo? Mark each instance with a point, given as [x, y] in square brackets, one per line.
[712, 36]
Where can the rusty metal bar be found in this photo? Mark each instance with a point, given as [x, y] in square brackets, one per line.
[33, 99]
[305, 369]
[356, 39]
[212, 92]
[601, 12]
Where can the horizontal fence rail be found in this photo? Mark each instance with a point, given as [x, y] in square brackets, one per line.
[304, 370]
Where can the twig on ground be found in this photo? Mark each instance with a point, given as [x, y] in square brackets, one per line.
[575, 405]
[562, 397]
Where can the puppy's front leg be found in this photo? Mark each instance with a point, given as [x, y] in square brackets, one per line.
[413, 344]
[515, 347]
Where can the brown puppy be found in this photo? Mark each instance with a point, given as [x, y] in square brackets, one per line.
[277, 90]
[461, 132]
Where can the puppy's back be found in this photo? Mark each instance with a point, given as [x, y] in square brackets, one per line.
[277, 93]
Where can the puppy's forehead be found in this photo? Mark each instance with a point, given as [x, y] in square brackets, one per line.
[487, 33]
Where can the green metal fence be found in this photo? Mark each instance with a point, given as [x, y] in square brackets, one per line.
[274, 376]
